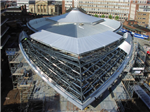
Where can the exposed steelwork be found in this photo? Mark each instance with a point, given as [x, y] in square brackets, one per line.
[79, 77]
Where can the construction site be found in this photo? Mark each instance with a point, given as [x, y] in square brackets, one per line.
[77, 64]
[130, 92]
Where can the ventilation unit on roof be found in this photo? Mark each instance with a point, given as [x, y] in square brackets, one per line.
[97, 22]
[81, 24]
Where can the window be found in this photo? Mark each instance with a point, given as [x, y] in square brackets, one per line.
[38, 8]
[41, 8]
[31, 10]
[51, 10]
[44, 8]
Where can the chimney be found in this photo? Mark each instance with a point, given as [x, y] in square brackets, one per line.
[63, 7]
[22, 7]
[73, 3]
[5, 6]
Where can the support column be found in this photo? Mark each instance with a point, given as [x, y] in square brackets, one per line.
[35, 8]
[40, 9]
[47, 9]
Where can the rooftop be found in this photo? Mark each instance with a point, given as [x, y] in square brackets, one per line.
[75, 32]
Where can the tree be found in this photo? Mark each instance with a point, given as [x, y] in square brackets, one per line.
[96, 15]
[110, 16]
[103, 16]
[117, 17]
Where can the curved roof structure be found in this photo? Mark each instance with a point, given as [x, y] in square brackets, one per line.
[75, 32]
[75, 16]
[71, 25]
[79, 60]
[76, 45]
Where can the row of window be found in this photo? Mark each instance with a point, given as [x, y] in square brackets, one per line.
[141, 18]
[41, 10]
[108, 13]
[103, 6]
[142, 22]
[107, 10]
[127, 3]
[141, 14]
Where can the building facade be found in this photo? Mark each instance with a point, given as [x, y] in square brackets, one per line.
[143, 18]
[106, 8]
[18, 13]
[23, 2]
[114, 8]
[10, 3]
[140, 12]
[42, 7]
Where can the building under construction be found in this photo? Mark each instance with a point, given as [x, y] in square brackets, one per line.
[81, 57]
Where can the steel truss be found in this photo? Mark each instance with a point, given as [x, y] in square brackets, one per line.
[80, 75]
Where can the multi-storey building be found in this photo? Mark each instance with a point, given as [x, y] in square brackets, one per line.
[41, 7]
[23, 2]
[115, 8]
[68, 4]
[10, 3]
[17, 13]
[143, 18]
[140, 11]
[124, 9]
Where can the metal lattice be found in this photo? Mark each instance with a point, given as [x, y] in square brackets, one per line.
[80, 75]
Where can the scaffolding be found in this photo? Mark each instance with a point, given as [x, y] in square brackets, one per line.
[21, 74]
[128, 80]
[139, 66]
[25, 87]
[39, 96]
[133, 74]
[14, 64]
[127, 94]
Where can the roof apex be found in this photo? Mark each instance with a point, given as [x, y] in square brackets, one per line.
[75, 16]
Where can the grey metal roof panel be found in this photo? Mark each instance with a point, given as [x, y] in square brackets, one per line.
[113, 24]
[75, 30]
[75, 16]
[76, 45]
[67, 29]
[126, 45]
[69, 24]
[49, 25]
